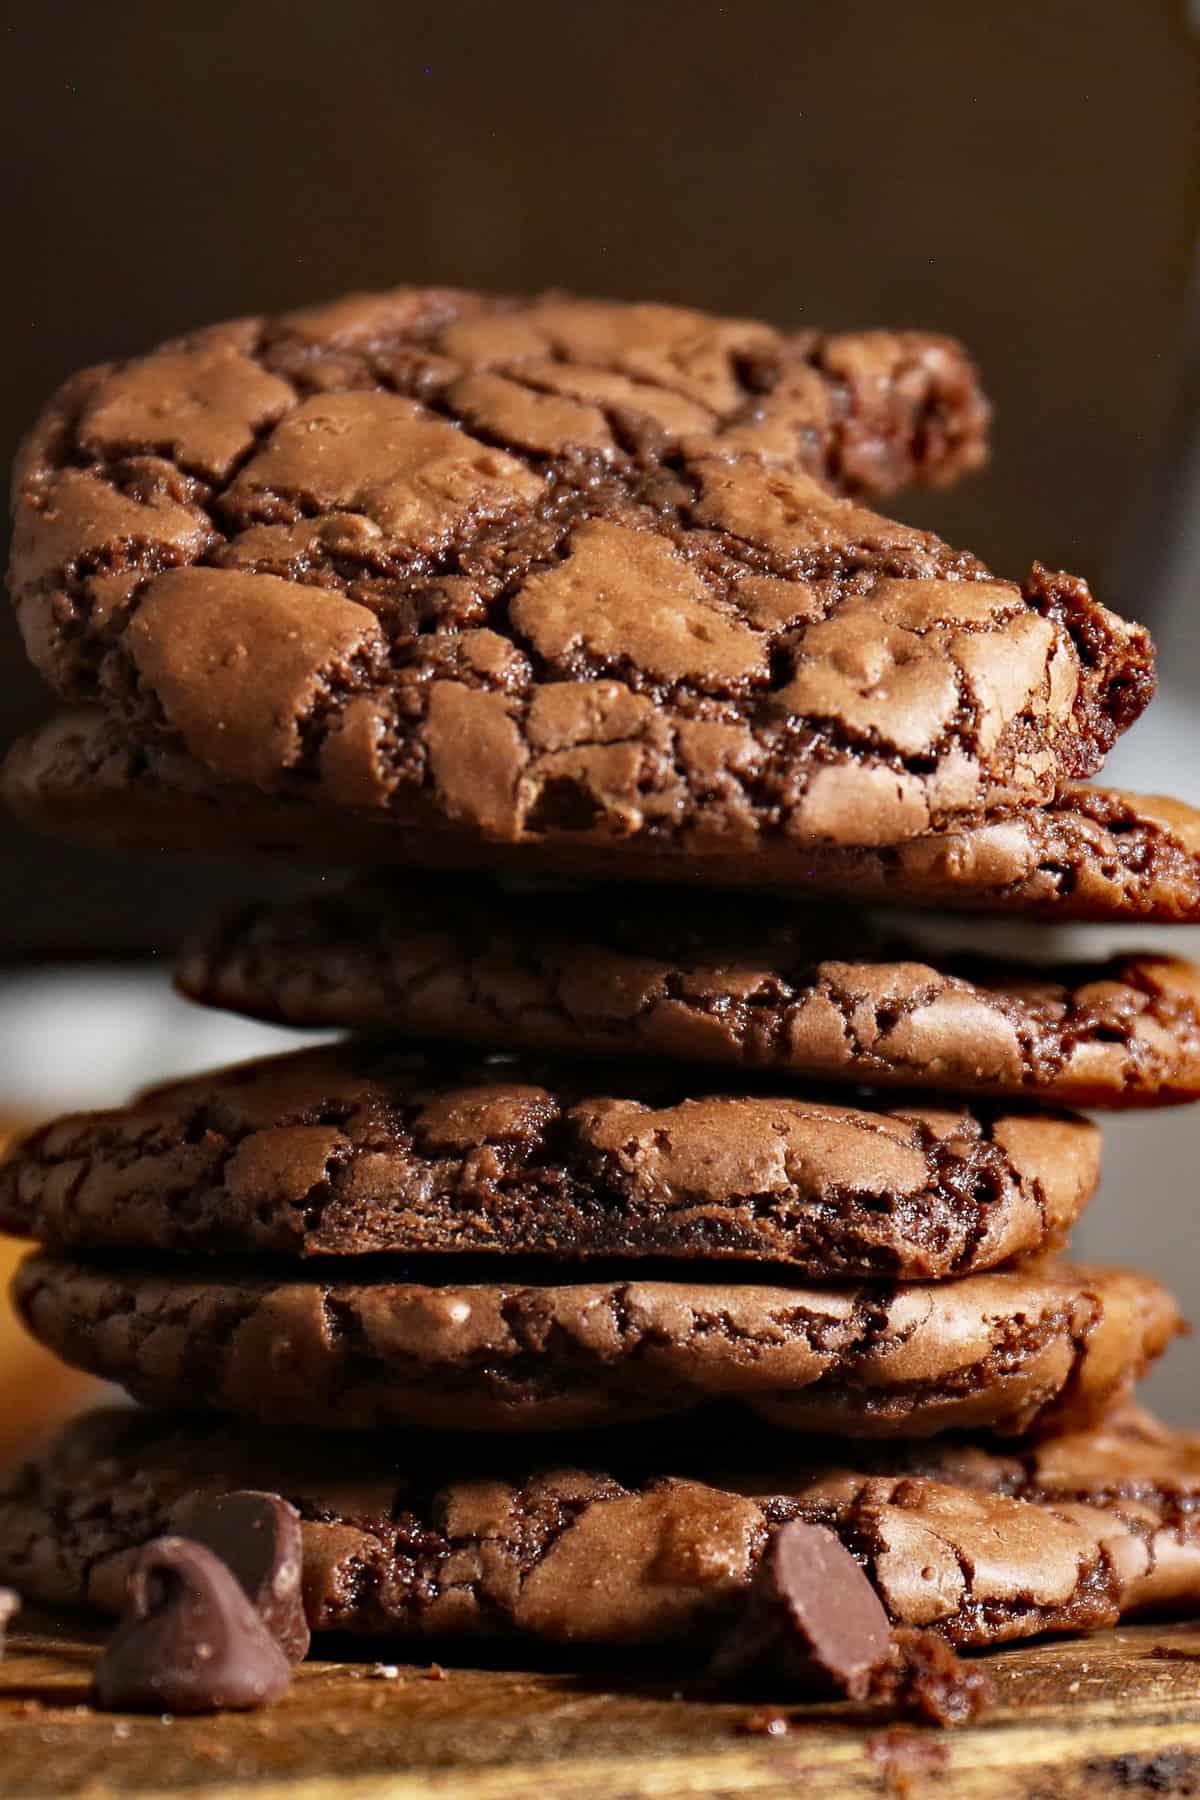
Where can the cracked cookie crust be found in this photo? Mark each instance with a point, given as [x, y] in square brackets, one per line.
[359, 1149]
[744, 982]
[1034, 1350]
[1094, 853]
[544, 573]
[443, 1538]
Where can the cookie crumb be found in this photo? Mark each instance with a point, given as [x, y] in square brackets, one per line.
[930, 1682]
[906, 1759]
[764, 1723]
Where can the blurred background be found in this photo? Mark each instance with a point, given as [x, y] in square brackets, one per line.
[1023, 176]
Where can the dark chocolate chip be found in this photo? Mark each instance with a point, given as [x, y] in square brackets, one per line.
[812, 1620]
[190, 1641]
[258, 1537]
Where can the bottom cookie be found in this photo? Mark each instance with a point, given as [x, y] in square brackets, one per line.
[640, 1538]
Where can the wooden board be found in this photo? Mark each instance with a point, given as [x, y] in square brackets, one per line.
[1114, 1714]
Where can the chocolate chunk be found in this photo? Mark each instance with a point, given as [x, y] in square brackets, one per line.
[9, 1604]
[190, 1641]
[258, 1537]
[812, 1620]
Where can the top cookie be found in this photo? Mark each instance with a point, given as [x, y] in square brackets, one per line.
[548, 571]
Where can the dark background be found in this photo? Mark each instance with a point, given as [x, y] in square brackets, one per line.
[1023, 175]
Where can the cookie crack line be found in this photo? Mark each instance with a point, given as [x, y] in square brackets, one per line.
[690, 637]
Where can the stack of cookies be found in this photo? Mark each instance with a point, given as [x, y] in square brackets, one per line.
[659, 1195]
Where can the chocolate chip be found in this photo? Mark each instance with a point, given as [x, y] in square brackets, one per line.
[812, 1619]
[257, 1536]
[190, 1641]
[9, 1602]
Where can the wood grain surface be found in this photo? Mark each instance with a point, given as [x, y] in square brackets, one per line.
[1114, 1714]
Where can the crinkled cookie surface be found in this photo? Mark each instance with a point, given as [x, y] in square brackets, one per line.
[551, 572]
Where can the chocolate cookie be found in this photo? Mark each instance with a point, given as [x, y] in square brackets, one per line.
[596, 1543]
[433, 1345]
[356, 1148]
[1095, 853]
[540, 573]
[745, 981]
